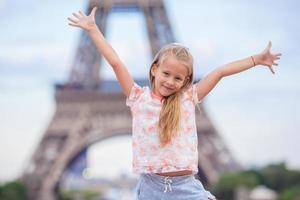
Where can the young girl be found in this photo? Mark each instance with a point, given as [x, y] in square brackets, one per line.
[164, 129]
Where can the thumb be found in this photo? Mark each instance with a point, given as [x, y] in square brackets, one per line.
[269, 46]
[94, 11]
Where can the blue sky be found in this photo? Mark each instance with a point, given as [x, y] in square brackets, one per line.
[256, 113]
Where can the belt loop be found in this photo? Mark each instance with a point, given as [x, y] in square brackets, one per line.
[167, 182]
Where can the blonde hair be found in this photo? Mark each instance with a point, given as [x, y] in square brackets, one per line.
[170, 114]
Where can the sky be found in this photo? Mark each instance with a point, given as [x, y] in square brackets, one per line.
[255, 112]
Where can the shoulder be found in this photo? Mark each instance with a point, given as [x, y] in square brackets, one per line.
[191, 94]
[136, 93]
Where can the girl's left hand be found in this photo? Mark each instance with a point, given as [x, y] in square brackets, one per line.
[267, 58]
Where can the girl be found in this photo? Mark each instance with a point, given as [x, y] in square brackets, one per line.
[164, 129]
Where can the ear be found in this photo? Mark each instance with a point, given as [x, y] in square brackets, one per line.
[153, 69]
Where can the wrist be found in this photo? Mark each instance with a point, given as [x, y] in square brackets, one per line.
[92, 28]
[256, 59]
[253, 61]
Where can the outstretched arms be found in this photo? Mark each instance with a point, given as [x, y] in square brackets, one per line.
[88, 24]
[265, 58]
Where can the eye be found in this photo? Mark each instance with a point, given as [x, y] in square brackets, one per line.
[166, 73]
[178, 79]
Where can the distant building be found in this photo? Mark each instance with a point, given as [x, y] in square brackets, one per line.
[261, 192]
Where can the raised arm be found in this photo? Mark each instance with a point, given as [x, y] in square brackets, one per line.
[88, 24]
[265, 58]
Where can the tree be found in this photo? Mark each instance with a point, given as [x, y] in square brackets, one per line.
[14, 190]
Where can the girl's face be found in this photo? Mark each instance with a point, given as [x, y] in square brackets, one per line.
[170, 77]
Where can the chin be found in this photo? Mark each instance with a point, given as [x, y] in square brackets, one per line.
[167, 94]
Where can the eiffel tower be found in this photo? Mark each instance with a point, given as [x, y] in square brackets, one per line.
[89, 110]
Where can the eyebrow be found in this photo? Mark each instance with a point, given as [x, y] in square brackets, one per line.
[176, 76]
[179, 75]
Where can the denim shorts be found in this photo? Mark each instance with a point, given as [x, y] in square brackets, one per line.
[156, 187]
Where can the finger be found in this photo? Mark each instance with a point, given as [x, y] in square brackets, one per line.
[72, 24]
[269, 45]
[278, 54]
[76, 15]
[80, 12]
[73, 20]
[94, 11]
[272, 70]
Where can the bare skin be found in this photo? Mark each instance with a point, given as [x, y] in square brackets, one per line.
[87, 22]
[170, 75]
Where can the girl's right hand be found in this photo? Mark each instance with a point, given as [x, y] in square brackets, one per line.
[80, 20]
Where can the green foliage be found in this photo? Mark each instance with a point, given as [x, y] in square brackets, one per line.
[14, 190]
[229, 181]
[81, 194]
[279, 178]
[276, 176]
[292, 193]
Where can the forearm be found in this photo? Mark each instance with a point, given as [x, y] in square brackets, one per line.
[103, 47]
[265, 58]
[238, 66]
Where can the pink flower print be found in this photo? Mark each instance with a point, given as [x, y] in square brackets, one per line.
[137, 91]
[190, 165]
[177, 160]
[135, 111]
[150, 114]
[170, 156]
[150, 167]
[189, 93]
[142, 152]
[151, 128]
[134, 144]
[153, 148]
[178, 145]
[165, 162]
[189, 129]
[186, 114]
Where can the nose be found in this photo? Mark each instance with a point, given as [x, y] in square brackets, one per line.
[170, 82]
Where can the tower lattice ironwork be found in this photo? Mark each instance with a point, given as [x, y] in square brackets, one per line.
[89, 110]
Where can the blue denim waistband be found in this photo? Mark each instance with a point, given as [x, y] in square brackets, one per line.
[167, 181]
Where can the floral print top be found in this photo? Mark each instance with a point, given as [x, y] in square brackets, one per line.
[148, 156]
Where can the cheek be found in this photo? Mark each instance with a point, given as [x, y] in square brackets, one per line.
[157, 80]
[159, 77]
[181, 84]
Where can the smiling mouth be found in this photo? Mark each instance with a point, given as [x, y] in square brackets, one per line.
[170, 89]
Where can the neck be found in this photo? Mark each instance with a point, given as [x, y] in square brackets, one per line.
[156, 96]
